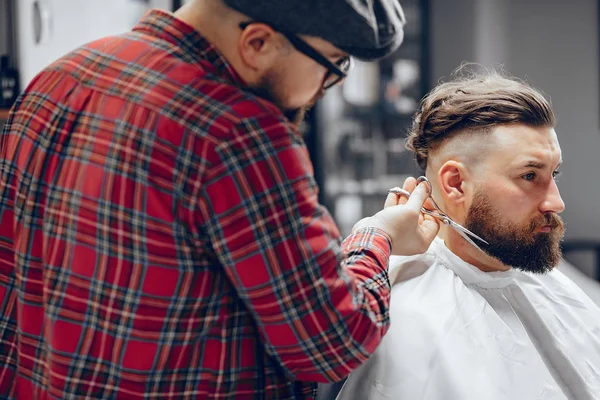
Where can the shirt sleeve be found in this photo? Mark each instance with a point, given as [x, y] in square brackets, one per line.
[8, 311]
[321, 305]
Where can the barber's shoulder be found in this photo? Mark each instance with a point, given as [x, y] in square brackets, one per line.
[241, 112]
[233, 102]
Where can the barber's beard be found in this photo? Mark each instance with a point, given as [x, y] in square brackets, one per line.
[268, 91]
[521, 247]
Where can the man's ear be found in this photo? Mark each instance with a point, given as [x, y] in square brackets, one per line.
[451, 180]
[258, 46]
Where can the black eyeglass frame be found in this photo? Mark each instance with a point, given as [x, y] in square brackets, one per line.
[309, 51]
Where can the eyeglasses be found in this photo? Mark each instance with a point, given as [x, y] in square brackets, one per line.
[336, 72]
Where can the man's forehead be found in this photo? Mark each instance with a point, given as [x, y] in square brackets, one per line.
[500, 145]
[529, 137]
[518, 142]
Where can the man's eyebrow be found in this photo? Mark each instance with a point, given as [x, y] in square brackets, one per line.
[535, 164]
[538, 165]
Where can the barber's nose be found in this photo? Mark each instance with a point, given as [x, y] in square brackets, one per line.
[552, 202]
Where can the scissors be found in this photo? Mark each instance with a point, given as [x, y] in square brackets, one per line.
[441, 215]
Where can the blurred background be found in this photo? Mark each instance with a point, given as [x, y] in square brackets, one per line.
[356, 134]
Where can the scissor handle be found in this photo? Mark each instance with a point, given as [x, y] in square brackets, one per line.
[424, 179]
[437, 213]
[399, 191]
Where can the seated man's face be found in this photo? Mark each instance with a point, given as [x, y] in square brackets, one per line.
[516, 204]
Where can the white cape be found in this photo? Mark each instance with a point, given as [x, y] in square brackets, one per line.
[461, 334]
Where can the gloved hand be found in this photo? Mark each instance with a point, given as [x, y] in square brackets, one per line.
[411, 231]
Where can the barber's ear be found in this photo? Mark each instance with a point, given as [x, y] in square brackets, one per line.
[451, 178]
[258, 46]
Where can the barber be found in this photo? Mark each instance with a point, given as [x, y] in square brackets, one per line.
[213, 270]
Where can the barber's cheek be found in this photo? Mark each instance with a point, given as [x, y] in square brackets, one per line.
[314, 82]
[301, 92]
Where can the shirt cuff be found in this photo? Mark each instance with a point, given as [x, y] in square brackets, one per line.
[369, 241]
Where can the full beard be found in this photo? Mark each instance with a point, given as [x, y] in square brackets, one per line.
[521, 247]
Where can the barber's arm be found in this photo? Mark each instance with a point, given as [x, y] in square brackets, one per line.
[321, 307]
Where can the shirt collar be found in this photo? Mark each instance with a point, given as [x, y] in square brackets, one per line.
[195, 48]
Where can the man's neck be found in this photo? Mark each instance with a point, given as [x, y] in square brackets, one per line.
[469, 253]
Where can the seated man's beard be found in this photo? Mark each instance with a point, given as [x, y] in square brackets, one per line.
[520, 247]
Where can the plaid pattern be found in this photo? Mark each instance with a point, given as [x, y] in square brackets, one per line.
[161, 238]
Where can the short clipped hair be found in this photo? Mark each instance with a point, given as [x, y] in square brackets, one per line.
[475, 100]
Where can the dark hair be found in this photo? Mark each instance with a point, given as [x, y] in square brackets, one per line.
[475, 101]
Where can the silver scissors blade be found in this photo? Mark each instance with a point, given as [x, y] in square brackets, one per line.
[465, 233]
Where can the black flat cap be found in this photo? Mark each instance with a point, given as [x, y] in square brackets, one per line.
[365, 29]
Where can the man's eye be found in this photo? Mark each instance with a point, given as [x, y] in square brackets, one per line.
[529, 177]
[556, 174]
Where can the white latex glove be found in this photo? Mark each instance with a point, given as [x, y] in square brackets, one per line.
[411, 231]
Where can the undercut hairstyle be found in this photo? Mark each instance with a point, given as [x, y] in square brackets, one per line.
[475, 102]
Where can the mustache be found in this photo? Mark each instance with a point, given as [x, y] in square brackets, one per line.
[551, 220]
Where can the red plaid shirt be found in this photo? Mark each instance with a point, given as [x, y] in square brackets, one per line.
[161, 236]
